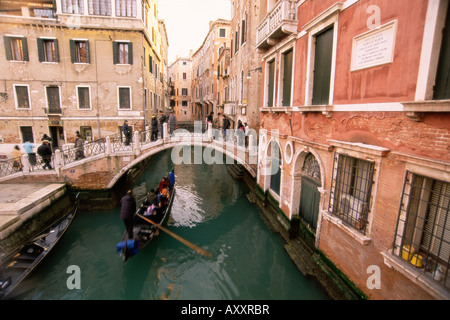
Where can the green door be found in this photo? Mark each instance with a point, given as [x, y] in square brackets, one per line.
[322, 67]
[442, 87]
[309, 202]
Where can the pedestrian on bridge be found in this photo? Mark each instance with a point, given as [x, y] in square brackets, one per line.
[126, 132]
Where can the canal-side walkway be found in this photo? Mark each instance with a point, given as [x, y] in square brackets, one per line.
[23, 201]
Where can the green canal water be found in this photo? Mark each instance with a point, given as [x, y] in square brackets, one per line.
[211, 210]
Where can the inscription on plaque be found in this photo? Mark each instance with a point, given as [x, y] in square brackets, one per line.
[375, 47]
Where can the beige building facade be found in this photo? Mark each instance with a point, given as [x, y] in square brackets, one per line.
[204, 85]
[83, 67]
[180, 73]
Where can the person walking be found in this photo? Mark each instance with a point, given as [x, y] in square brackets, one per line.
[127, 211]
[28, 146]
[79, 151]
[17, 158]
[126, 132]
[172, 122]
[226, 126]
[154, 135]
[45, 152]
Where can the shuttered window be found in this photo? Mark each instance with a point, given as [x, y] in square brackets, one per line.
[48, 50]
[16, 48]
[423, 225]
[79, 51]
[322, 68]
[287, 77]
[72, 6]
[270, 83]
[122, 52]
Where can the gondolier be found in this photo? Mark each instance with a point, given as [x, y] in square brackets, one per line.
[127, 210]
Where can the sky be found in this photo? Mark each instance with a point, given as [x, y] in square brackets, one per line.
[187, 22]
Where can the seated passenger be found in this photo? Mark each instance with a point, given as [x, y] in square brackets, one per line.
[163, 184]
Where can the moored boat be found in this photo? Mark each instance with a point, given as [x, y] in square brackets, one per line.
[16, 266]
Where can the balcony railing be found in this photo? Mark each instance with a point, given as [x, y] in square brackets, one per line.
[279, 22]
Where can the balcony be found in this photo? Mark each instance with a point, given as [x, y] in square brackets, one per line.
[229, 108]
[278, 23]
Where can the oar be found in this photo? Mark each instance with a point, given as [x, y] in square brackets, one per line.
[189, 244]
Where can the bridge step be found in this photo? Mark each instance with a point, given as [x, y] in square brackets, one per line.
[236, 171]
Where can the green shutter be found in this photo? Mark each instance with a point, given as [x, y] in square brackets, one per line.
[56, 50]
[40, 48]
[72, 51]
[287, 78]
[130, 53]
[88, 53]
[7, 42]
[322, 68]
[442, 86]
[115, 52]
[25, 49]
[271, 83]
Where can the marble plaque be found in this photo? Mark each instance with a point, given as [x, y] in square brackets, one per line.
[375, 47]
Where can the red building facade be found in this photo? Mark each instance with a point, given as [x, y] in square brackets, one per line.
[355, 136]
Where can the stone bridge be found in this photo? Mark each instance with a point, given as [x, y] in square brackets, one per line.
[108, 159]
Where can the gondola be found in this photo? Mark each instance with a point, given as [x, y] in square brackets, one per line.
[143, 230]
[17, 265]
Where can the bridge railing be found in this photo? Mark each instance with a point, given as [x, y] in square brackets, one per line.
[115, 143]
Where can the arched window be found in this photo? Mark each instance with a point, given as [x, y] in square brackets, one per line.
[274, 156]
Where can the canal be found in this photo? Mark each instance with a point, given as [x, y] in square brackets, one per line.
[211, 210]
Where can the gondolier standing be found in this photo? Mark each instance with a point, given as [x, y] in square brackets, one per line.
[127, 211]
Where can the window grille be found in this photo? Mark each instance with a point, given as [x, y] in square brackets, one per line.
[422, 236]
[351, 188]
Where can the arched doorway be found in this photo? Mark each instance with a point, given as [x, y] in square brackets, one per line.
[310, 195]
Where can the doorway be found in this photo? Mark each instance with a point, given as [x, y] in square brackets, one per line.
[57, 135]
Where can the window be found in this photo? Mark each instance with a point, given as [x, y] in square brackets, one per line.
[184, 76]
[125, 8]
[184, 103]
[236, 44]
[423, 225]
[48, 50]
[270, 83]
[123, 52]
[322, 67]
[79, 51]
[22, 96]
[53, 99]
[350, 190]
[16, 48]
[287, 77]
[222, 33]
[72, 6]
[27, 134]
[184, 91]
[124, 94]
[99, 7]
[84, 97]
[244, 29]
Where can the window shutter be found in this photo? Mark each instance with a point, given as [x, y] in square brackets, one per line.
[25, 49]
[56, 50]
[7, 42]
[115, 53]
[40, 47]
[130, 53]
[88, 54]
[72, 51]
